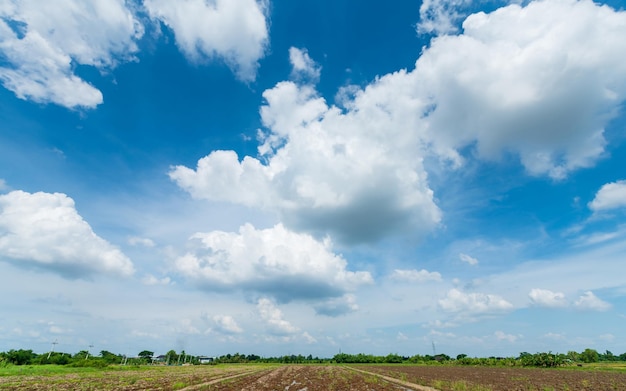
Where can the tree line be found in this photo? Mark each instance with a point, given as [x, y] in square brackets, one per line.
[106, 358]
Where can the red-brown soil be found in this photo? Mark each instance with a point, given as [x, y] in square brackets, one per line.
[307, 378]
[324, 377]
[452, 378]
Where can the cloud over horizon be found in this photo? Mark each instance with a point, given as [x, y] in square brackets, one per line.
[45, 231]
[272, 262]
[282, 178]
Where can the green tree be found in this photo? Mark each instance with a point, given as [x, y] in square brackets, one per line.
[574, 356]
[110, 358]
[20, 357]
[608, 356]
[589, 356]
[146, 355]
[171, 357]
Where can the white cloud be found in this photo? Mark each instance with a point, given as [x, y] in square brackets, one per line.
[589, 301]
[415, 275]
[45, 230]
[358, 176]
[607, 337]
[186, 326]
[466, 258]
[233, 30]
[547, 298]
[438, 324]
[152, 280]
[3, 185]
[541, 81]
[273, 317]
[502, 336]
[274, 261]
[555, 336]
[308, 338]
[43, 41]
[473, 303]
[226, 324]
[137, 241]
[579, 269]
[337, 306]
[610, 196]
[303, 66]
[143, 334]
[441, 16]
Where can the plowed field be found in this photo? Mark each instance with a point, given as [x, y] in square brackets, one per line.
[322, 378]
[152, 378]
[215, 378]
[452, 378]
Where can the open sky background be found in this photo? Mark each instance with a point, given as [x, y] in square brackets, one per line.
[304, 177]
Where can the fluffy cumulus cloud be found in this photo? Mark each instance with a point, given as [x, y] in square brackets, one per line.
[610, 196]
[41, 43]
[227, 324]
[541, 81]
[547, 298]
[589, 301]
[45, 230]
[473, 303]
[233, 30]
[274, 319]
[275, 262]
[415, 275]
[303, 65]
[441, 16]
[357, 175]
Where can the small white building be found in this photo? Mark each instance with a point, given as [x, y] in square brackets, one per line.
[205, 359]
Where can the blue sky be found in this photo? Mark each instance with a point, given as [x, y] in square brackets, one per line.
[279, 177]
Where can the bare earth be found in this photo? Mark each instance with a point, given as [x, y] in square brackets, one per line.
[505, 379]
[325, 377]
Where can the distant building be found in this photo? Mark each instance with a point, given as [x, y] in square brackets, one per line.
[205, 359]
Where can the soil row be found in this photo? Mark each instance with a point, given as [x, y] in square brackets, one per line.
[325, 377]
[310, 378]
[452, 378]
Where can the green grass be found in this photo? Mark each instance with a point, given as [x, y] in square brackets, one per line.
[44, 370]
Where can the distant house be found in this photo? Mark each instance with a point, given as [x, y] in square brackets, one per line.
[205, 359]
[159, 359]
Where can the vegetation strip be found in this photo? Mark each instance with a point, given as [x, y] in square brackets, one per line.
[403, 383]
[219, 380]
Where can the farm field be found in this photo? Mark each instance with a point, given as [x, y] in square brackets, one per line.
[215, 378]
[470, 378]
[121, 378]
[313, 378]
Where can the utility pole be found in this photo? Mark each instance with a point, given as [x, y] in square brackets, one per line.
[52, 348]
[87, 355]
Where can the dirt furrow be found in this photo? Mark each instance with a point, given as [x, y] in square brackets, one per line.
[218, 380]
[412, 386]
